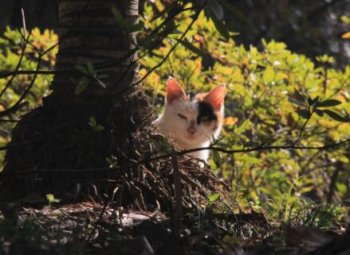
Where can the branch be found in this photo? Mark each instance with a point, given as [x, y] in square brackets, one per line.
[18, 103]
[332, 185]
[170, 51]
[166, 56]
[177, 153]
[177, 208]
[5, 74]
[13, 74]
[302, 129]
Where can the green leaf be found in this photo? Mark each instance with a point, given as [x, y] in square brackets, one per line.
[236, 12]
[295, 101]
[299, 96]
[319, 112]
[213, 198]
[118, 17]
[304, 113]
[127, 24]
[325, 59]
[313, 102]
[135, 27]
[269, 75]
[216, 9]
[51, 199]
[217, 158]
[329, 103]
[82, 69]
[220, 26]
[90, 67]
[336, 116]
[192, 48]
[81, 86]
[93, 123]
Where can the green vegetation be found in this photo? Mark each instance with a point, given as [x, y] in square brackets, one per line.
[275, 98]
[289, 113]
[16, 55]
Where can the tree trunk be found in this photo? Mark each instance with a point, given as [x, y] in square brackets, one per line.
[92, 118]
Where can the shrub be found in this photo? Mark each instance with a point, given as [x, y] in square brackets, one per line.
[18, 56]
[275, 98]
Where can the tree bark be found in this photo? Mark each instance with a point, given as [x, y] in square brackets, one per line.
[92, 129]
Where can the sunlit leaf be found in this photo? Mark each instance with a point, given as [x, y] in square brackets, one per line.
[346, 35]
[269, 75]
[51, 199]
[213, 198]
[230, 121]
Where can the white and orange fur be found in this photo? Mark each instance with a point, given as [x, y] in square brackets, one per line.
[192, 122]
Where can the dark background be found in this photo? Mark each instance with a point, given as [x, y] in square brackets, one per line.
[310, 27]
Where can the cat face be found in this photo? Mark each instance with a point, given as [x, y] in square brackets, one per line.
[192, 120]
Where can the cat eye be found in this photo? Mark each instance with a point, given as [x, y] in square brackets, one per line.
[204, 118]
[182, 116]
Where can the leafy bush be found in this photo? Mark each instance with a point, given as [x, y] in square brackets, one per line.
[275, 98]
[277, 103]
[17, 55]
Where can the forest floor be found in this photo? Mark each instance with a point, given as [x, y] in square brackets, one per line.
[93, 228]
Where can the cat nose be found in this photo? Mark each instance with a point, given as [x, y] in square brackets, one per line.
[192, 128]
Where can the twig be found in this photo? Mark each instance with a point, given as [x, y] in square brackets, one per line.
[325, 77]
[179, 153]
[166, 56]
[19, 101]
[302, 129]
[110, 198]
[13, 74]
[140, 44]
[178, 194]
[171, 49]
[332, 185]
[310, 160]
[5, 74]
[24, 23]
[5, 120]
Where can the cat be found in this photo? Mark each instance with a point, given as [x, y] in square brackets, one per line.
[192, 121]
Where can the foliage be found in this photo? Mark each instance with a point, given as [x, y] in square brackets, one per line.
[275, 98]
[18, 55]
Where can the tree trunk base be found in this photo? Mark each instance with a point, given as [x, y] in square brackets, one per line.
[54, 148]
[54, 151]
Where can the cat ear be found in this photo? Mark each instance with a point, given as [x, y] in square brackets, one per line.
[216, 97]
[173, 90]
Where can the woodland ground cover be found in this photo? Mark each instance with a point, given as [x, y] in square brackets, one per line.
[284, 150]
